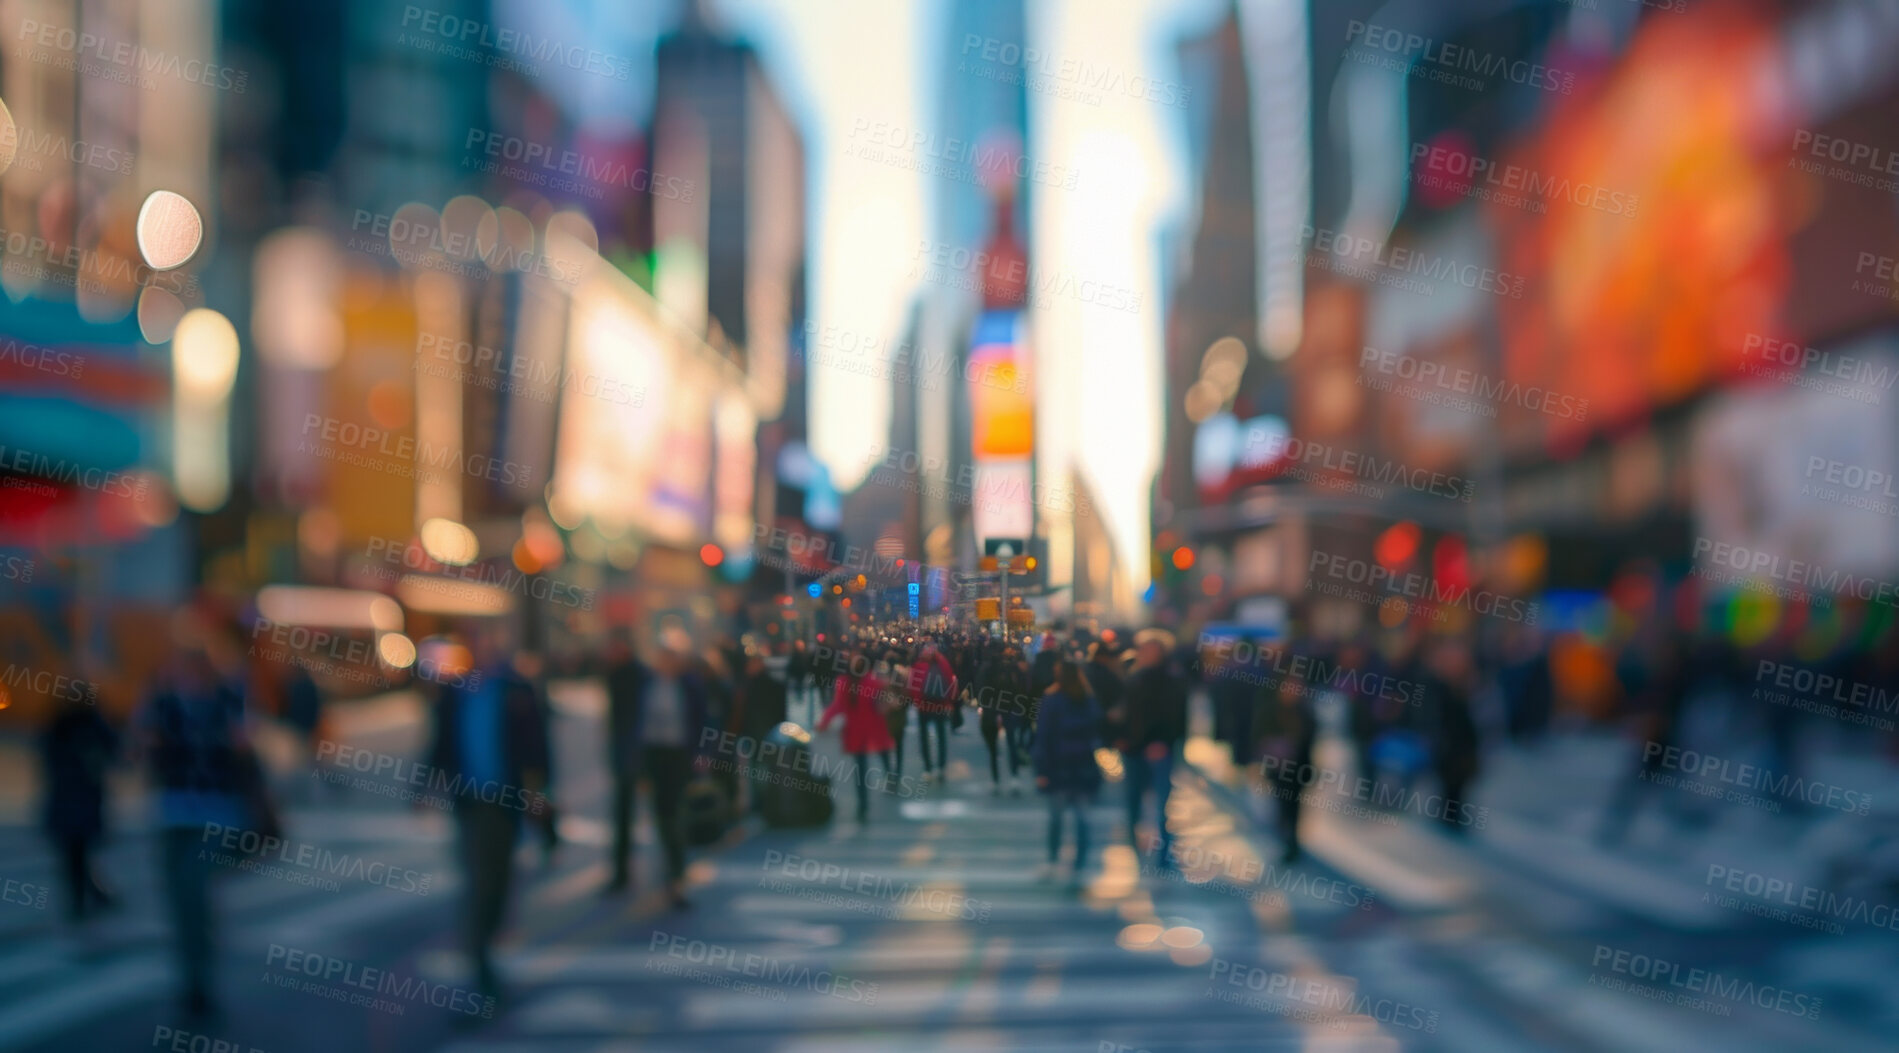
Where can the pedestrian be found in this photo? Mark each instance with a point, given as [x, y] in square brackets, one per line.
[1005, 705]
[933, 691]
[531, 666]
[758, 707]
[1288, 733]
[655, 721]
[491, 744]
[1103, 673]
[1042, 667]
[77, 748]
[196, 742]
[1067, 733]
[857, 702]
[1374, 705]
[798, 675]
[1454, 741]
[1656, 680]
[895, 705]
[761, 702]
[1527, 684]
[1152, 727]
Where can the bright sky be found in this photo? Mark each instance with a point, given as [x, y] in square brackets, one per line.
[841, 62]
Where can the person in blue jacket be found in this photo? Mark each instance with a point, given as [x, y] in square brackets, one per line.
[1067, 733]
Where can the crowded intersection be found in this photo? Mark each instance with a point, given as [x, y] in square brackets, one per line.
[1106, 526]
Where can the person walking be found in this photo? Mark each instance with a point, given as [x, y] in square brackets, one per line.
[895, 706]
[1288, 734]
[655, 719]
[1067, 733]
[1005, 706]
[857, 701]
[761, 702]
[758, 707]
[1151, 729]
[798, 676]
[491, 744]
[197, 747]
[1104, 676]
[933, 691]
[1042, 666]
[1454, 741]
[77, 748]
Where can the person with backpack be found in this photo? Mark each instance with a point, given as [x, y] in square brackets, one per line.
[857, 698]
[933, 692]
[1067, 733]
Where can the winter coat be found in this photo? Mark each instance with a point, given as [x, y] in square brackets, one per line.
[856, 700]
[759, 706]
[1067, 733]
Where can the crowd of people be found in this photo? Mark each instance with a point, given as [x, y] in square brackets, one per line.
[1054, 711]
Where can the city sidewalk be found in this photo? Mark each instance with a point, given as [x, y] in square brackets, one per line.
[1537, 868]
[1542, 811]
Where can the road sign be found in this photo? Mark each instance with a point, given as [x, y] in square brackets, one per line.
[988, 608]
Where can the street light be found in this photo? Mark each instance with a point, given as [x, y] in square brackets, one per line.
[204, 355]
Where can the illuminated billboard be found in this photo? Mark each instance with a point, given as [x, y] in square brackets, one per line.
[1001, 392]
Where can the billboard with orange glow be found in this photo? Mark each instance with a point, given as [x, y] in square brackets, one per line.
[1643, 307]
[1002, 405]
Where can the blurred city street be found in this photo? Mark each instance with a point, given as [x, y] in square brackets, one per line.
[938, 909]
[1094, 525]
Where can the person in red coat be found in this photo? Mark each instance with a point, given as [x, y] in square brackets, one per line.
[857, 699]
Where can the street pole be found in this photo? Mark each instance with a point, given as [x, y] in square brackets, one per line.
[1002, 572]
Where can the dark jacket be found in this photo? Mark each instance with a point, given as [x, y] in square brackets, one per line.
[759, 706]
[1042, 671]
[1453, 732]
[77, 748]
[524, 746]
[1287, 733]
[1155, 709]
[1105, 681]
[627, 684]
[196, 743]
[1003, 696]
[1067, 733]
